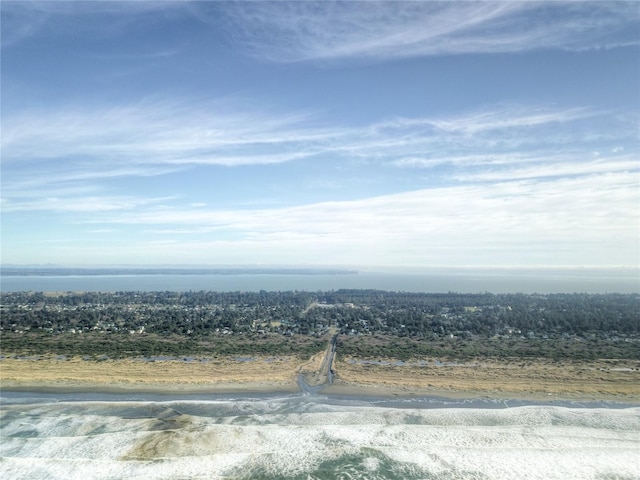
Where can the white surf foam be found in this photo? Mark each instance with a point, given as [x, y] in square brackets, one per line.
[280, 439]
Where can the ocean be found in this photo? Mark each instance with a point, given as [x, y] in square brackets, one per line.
[435, 281]
[124, 436]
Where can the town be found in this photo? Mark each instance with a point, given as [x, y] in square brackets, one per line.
[369, 322]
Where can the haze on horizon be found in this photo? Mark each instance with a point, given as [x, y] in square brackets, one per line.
[320, 133]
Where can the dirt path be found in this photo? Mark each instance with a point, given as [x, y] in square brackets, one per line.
[314, 381]
[312, 305]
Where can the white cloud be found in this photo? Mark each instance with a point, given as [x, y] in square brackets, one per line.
[482, 160]
[61, 160]
[510, 118]
[493, 131]
[295, 31]
[563, 169]
[327, 30]
[157, 133]
[145, 139]
[586, 220]
[591, 219]
[75, 203]
[22, 19]
[72, 178]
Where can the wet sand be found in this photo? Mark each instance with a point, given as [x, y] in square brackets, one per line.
[617, 380]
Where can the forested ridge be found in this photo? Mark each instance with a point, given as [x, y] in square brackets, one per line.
[129, 323]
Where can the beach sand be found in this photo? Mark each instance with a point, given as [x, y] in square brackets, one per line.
[176, 376]
[514, 378]
[518, 378]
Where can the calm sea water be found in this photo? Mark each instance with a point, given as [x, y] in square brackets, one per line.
[460, 281]
[307, 438]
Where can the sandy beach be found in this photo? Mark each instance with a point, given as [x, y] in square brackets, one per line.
[515, 378]
[539, 379]
[174, 376]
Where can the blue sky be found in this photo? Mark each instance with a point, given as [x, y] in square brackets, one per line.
[321, 133]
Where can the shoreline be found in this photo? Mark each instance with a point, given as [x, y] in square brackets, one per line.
[492, 380]
[341, 391]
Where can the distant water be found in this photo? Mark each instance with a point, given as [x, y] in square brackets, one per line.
[309, 438]
[441, 281]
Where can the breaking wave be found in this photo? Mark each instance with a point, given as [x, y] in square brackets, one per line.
[297, 438]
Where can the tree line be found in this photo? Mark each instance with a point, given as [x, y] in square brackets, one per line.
[356, 312]
[371, 323]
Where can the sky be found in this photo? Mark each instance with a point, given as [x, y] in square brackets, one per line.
[320, 133]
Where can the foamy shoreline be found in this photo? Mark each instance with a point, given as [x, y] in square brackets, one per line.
[337, 390]
[351, 395]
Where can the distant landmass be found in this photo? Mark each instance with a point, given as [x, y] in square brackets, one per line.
[92, 271]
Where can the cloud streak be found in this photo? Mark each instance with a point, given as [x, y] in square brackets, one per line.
[557, 169]
[300, 31]
[152, 134]
[49, 152]
[172, 134]
[77, 201]
[26, 18]
[372, 30]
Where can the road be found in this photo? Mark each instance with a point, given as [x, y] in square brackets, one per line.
[314, 382]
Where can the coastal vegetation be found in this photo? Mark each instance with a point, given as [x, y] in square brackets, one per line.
[371, 324]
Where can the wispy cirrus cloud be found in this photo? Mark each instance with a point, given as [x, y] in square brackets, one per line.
[535, 164]
[510, 118]
[57, 147]
[77, 201]
[467, 160]
[24, 180]
[22, 19]
[488, 119]
[157, 133]
[331, 30]
[550, 168]
[299, 31]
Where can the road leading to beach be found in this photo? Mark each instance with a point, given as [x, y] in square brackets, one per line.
[315, 381]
